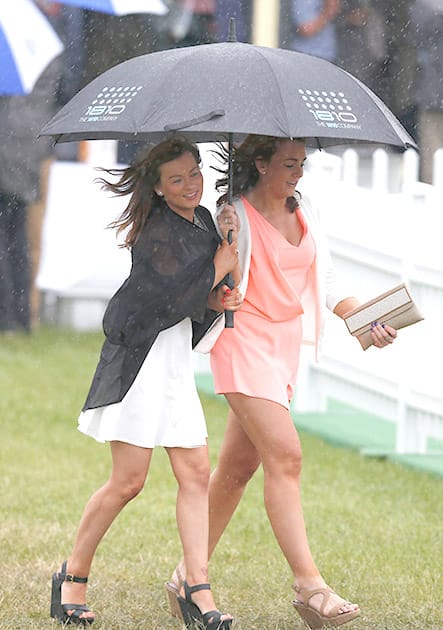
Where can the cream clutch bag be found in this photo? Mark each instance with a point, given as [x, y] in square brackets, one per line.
[395, 308]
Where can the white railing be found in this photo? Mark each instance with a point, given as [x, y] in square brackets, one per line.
[378, 239]
[384, 227]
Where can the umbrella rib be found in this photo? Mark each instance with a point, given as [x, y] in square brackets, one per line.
[195, 121]
[277, 85]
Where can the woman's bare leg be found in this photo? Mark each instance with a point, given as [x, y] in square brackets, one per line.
[130, 465]
[263, 429]
[270, 428]
[237, 462]
[191, 468]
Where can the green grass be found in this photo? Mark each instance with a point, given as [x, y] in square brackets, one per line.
[375, 527]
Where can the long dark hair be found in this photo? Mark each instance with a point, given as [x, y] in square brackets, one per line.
[139, 181]
[245, 173]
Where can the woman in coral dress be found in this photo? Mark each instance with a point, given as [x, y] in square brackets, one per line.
[287, 282]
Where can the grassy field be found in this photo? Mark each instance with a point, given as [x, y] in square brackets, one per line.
[375, 528]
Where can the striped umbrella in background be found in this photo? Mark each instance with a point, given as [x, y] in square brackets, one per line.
[27, 44]
[121, 7]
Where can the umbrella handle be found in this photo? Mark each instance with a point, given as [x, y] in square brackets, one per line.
[229, 315]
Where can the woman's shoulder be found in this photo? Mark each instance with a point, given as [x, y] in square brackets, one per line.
[238, 203]
[154, 225]
[203, 211]
[205, 215]
[306, 205]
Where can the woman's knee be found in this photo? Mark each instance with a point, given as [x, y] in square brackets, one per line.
[130, 465]
[127, 488]
[284, 461]
[195, 476]
[238, 471]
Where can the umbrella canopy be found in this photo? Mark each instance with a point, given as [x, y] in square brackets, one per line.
[210, 90]
[27, 44]
[122, 7]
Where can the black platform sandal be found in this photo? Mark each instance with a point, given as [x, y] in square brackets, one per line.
[60, 611]
[192, 615]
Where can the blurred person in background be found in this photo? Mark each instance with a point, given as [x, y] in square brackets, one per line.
[396, 83]
[110, 40]
[361, 43]
[427, 22]
[96, 41]
[313, 28]
[23, 177]
[192, 22]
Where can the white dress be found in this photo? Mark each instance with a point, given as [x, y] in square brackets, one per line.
[162, 407]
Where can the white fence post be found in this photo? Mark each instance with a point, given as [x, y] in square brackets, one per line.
[437, 172]
[380, 171]
[350, 167]
[410, 169]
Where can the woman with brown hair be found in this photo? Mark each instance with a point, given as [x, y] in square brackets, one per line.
[287, 281]
[143, 392]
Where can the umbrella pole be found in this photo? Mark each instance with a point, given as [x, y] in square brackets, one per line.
[230, 165]
[229, 315]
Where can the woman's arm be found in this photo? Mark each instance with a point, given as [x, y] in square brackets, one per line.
[382, 335]
[228, 221]
[225, 299]
[225, 260]
[346, 305]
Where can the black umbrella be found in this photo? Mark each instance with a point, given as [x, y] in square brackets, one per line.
[232, 89]
[214, 89]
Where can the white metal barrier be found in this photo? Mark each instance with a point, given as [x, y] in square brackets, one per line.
[379, 239]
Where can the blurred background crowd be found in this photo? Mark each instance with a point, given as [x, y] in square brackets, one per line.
[394, 46]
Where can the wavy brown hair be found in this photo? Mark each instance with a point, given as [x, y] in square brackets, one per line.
[139, 181]
[244, 171]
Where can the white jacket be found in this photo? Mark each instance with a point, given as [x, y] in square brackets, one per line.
[322, 290]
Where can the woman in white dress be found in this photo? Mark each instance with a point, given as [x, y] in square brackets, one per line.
[143, 392]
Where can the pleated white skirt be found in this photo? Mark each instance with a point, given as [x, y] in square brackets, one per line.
[162, 407]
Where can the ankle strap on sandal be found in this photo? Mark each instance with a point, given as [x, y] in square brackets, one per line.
[74, 578]
[197, 587]
[67, 577]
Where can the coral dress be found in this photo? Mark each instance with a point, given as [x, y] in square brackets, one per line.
[259, 357]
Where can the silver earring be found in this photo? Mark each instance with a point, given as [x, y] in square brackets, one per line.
[160, 194]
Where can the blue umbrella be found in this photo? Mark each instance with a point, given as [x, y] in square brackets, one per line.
[27, 44]
[122, 7]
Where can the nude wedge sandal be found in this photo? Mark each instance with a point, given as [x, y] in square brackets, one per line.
[173, 587]
[314, 618]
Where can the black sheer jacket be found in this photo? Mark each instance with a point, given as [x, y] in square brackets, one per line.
[171, 277]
